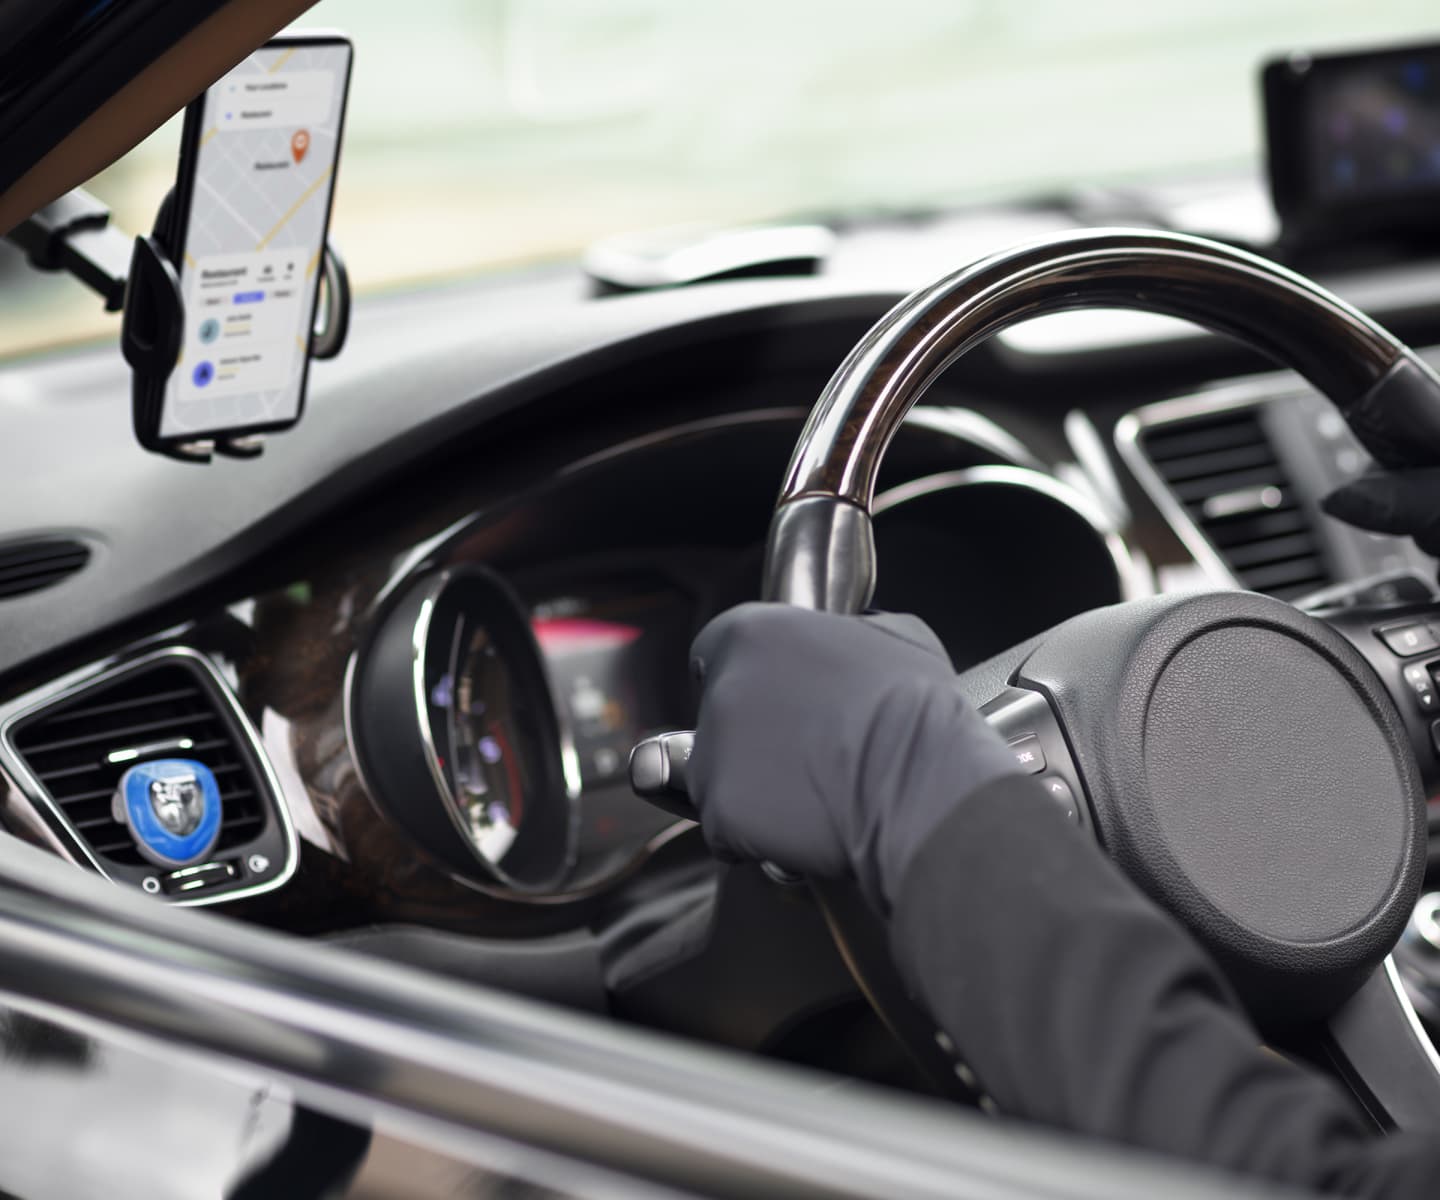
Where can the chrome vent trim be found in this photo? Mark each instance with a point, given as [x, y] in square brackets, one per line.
[80, 844]
[1212, 469]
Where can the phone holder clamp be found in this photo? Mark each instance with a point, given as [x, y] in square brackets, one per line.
[152, 334]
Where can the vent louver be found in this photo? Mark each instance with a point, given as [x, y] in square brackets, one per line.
[1223, 470]
[71, 749]
[41, 563]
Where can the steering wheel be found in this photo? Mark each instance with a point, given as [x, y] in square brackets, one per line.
[1243, 762]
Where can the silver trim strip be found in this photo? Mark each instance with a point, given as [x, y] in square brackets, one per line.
[1095, 466]
[1132, 579]
[412, 563]
[1241, 501]
[569, 762]
[967, 425]
[954, 421]
[45, 806]
[1397, 985]
[131, 753]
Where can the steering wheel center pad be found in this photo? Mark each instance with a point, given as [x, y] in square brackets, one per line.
[1248, 770]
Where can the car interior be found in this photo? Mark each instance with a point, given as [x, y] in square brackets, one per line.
[415, 636]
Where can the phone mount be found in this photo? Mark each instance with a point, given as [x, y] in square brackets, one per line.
[153, 325]
[74, 235]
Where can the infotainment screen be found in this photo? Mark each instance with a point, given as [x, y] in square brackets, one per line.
[1354, 142]
[257, 169]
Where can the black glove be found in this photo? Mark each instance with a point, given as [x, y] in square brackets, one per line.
[832, 745]
[1399, 502]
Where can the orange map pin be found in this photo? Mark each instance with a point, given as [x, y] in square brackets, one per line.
[299, 144]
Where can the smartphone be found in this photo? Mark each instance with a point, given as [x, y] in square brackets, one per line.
[251, 210]
[1353, 142]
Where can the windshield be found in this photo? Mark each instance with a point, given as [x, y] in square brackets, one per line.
[493, 133]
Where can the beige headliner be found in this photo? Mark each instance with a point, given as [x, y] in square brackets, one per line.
[147, 101]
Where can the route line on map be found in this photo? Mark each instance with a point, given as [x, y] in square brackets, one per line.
[294, 208]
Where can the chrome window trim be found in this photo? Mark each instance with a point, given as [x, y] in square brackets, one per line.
[1250, 394]
[44, 806]
[464, 1068]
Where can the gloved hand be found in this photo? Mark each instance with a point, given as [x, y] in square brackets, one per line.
[832, 745]
[1399, 502]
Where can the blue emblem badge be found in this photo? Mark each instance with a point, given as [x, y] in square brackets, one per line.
[172, 807]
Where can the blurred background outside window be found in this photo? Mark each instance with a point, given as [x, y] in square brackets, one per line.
[490, 134]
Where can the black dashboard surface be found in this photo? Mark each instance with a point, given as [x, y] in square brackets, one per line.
[427, 372]
[418, 372]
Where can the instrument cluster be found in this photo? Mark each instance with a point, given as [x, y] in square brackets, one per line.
[485, 721]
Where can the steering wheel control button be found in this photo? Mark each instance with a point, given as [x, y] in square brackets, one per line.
[1435, 736]
[1418, 679]
[172, 809]
[658, 772]
[1414, 637]
[1028, 753]
[1060, 792]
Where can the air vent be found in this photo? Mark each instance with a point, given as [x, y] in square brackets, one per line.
[171, 705]
[30, 566]
[1223, 470]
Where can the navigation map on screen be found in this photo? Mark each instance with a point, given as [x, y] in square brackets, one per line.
[265, 169]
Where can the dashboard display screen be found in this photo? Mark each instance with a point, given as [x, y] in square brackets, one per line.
[1354, 141]
[616, 656]
[257, 171]
[1375, 128]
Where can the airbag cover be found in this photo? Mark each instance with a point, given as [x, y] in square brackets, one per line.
[1248, 770]
[1231, 706]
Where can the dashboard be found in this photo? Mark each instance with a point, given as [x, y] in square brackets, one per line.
[415, 642]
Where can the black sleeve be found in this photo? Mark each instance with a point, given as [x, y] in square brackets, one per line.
[1078, 1003]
